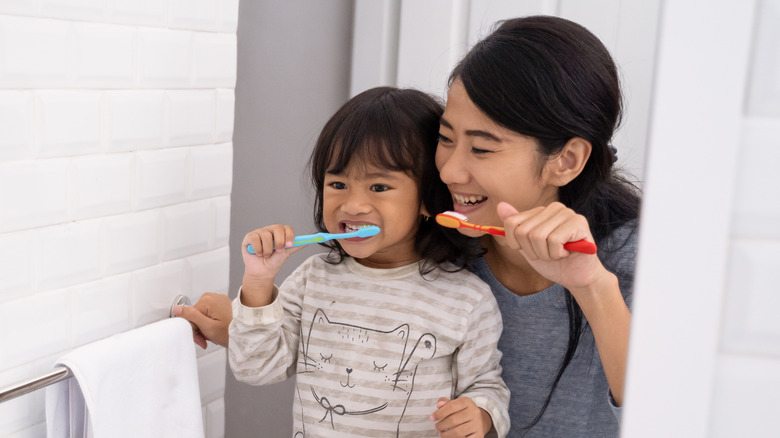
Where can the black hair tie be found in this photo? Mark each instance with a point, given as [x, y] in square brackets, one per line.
[613, 153]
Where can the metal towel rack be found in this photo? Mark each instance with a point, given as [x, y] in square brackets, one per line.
[60, 373]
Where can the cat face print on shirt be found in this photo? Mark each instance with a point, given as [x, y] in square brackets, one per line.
[345, 371]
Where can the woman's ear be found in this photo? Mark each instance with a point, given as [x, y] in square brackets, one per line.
[562, 168]
[424, 211]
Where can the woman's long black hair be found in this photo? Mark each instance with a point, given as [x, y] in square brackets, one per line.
[394, 129]
[551, 79]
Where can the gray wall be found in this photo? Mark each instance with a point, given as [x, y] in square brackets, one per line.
[293, 73]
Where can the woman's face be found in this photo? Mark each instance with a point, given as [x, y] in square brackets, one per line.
[484, 163]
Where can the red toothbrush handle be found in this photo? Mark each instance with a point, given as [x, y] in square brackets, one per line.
[496, 231]
[582, 246]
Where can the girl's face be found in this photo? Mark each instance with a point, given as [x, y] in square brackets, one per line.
[367, 195]
[484, 163]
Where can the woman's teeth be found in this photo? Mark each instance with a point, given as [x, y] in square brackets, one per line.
[468, 200]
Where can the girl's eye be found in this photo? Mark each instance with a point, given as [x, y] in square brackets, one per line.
[379, 188]
[478, 151]
[338, 185]
[443, 139]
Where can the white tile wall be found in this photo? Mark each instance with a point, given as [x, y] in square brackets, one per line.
[116, 125]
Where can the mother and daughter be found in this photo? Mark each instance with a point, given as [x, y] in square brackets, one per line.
[523, 143]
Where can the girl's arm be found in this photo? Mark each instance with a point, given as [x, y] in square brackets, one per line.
[481, 396]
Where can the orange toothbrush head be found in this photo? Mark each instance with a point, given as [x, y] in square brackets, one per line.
[450, 219]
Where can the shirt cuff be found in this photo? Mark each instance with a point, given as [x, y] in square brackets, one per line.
[616, 410]
[268, 314]
[499, 429]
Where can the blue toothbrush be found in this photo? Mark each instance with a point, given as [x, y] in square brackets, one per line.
[369, 231]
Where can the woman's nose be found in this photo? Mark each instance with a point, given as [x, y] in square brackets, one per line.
[451, 166]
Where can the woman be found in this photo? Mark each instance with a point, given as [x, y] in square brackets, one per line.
[525, 144]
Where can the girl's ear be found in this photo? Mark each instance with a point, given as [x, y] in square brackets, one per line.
[562, 168]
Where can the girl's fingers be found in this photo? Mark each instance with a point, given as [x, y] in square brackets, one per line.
[268, 239]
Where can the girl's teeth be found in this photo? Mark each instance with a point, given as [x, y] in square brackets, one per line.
[350, 228]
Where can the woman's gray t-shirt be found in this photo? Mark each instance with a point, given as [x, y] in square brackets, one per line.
[534, 341]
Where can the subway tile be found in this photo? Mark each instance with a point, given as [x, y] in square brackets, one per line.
[756, 210]
[135, 119]
[228, 15]
[191, 117]
[211, 170]
[214, 60]
[222, 207]
[101, 185]
[131, 241]
[20, 7]
[91, 10]
[16, 260]
[745, 398]
[45, 319]
[750, 323]
[164, 58]
[193, 14]
[104, 56]
[226, 103]
[34, 52]
[67, 122]
[16, 113]
[187, 229]
[33, 193]
[211, 376]
[18, 413]
[67, 254]
[161, 177]
[209, 272]
[138, 12]
[101, 309]
[215, 419]
[154, 290]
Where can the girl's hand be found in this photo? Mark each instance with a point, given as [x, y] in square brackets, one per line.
[261, 268]
[539, 235]
[461, 418]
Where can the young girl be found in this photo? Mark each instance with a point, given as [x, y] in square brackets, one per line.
[383, 331]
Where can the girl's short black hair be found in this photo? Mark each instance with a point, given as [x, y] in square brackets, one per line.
[394, 129]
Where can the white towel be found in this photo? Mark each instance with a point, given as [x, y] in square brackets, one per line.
[141, 383]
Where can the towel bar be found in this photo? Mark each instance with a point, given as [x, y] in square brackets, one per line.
[60, 373]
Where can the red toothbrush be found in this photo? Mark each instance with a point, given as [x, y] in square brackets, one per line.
[451, 219]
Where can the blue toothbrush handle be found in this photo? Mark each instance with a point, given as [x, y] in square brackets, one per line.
[322, 237]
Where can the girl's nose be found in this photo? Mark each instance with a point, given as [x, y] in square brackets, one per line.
[356, 203]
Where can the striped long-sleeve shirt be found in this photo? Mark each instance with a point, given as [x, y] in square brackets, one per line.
[374, 349]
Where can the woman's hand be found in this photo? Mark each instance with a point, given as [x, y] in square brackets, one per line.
[272, 246]
[539, 235]
[461, 418]
[210, 318]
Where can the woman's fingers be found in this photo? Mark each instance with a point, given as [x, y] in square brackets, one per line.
[541, 232]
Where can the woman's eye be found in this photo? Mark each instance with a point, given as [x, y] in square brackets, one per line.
[443, 139]
[379, 188]
[338, 185]
[478, 151]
